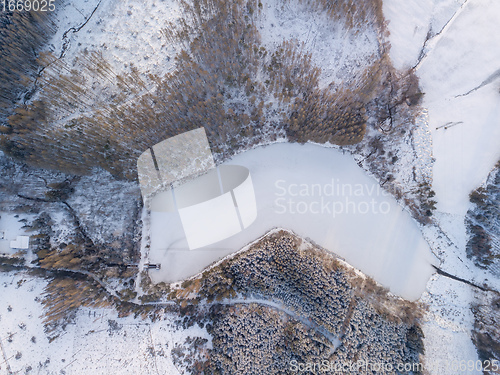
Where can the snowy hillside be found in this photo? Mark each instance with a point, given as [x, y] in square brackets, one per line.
[112, 27]
[96, 342]
[415, 101]
[454, 47]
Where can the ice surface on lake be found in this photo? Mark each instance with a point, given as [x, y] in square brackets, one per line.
[318, 193]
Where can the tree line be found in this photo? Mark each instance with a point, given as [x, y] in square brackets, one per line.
[86, 115]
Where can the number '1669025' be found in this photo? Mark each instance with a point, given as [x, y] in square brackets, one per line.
[27, 5]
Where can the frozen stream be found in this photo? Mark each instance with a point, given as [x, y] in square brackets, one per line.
[321, 194]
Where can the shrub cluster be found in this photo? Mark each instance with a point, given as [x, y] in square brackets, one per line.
[64, 295]
[86, 114]
[483, 224]
[22, 35]
[313, 285]
[261, 340]
[485, 334]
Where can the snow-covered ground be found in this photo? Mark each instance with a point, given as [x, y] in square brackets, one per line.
[319, 193]
[96, 201]
[463, 58]
[458, 67]
[11, 226]
[461, 55]
[454, 62]
[97, 342]
[112, 27]
[341, 53]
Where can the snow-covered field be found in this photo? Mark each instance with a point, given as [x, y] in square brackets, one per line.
[341, 53]
[97, 342]
[112, 27]
[461, 55]
[321, 194]
[454, 46]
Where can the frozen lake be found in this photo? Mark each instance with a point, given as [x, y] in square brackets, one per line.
[318, 193]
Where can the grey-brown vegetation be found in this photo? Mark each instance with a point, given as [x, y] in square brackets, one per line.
[64, 295]
[260, 340]
[191, 356]
[81, 229]
[483, 247]
[483, 224]
[389, 152]
[82, 114]
[380, 158]
[99, 215]
[314, 300]
[85, 114]
[485, 334]
[152, 292]
[22, 35]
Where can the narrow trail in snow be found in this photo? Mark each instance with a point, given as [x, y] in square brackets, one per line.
[66, 40]
[334, 342]
[430, 42]
[66, 43]
[487, 81]
[456, 278]
[6, 360]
